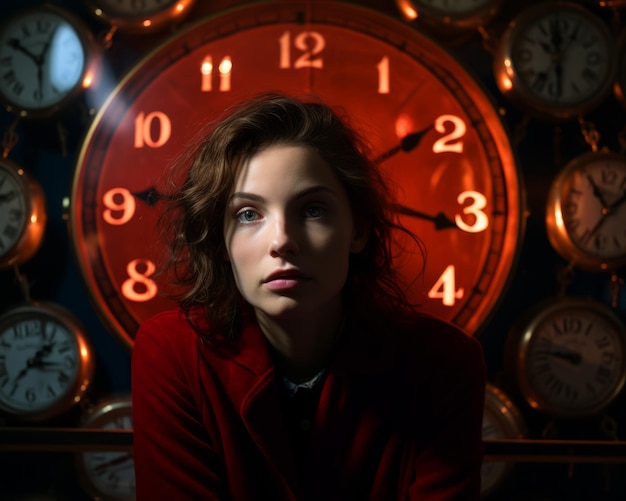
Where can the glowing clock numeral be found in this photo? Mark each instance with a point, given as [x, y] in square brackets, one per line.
[139, 287]
[383, 75]
[479, 202]
[445, 287]
[143, 129]
[450, 142]
[120, 206]
[224, 68]
[311, 43]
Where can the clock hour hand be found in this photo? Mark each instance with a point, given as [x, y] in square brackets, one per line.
[440, 220]
[572, 357]
[7, 197]
[407, 144]
[103, 467]
[596, 191]
[606, 212]
[15, 44]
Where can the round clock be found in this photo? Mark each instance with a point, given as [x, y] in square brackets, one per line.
[501, 420]
[556, 60]
[569, 356]
[22, 215]
[47, 57]
[108, 475]
[434, 131]
[139, 17]
[586, 211]
[46, 362]
[450, 14]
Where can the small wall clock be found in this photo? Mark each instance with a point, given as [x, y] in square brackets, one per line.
[556, 60]
[108, 475]
[568, 356]
[435, 132]
[47, 57]
[501, 420]
[22, 214]
[586, 211]
[46, 362]
[146, 16]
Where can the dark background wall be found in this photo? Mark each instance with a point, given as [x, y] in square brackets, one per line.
[48, 149]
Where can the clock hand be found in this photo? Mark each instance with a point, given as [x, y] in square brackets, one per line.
[606, 212]
[15, 44]
[441, 221]
[407, 144]
[570, 356]
[596, 191]
[7, 197]
[102, 467]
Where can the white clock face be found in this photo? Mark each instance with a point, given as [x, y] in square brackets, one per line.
[574, 360]
[39, 363]
[42, 60]
[492, 472]
[13, 210]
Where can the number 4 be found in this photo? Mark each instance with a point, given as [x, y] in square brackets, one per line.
[445, 288]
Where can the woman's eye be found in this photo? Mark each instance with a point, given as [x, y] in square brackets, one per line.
[247, 216]
[314, 211]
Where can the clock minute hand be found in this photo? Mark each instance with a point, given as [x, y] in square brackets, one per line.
[440, 220]
[407, 143]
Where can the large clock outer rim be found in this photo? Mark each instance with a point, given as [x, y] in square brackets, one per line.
[515, 196]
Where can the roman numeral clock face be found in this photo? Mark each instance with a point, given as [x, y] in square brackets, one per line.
[434, 132]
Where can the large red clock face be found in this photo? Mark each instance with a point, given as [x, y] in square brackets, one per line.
[434, 131]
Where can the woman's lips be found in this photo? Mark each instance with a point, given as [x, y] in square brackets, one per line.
[284, 280]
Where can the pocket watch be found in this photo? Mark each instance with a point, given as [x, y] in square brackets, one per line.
[46, 362]
[569, 356]
[22, 214]
[47, 58]
[433, 130]
[450, 15]
[108, 475]
[146, 16]
[501, 420]
[586, 211]
[556, 60]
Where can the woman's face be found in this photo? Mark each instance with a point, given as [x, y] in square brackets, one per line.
[289, 232]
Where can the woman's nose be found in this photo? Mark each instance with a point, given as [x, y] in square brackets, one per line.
[283, 240]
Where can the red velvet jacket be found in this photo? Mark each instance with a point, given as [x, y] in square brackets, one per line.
[399, 417]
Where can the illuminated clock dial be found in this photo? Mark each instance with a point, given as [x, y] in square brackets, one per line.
[434, 132]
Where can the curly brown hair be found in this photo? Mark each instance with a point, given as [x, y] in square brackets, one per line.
[193, 220]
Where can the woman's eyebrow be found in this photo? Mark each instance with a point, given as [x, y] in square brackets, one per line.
[312, 190]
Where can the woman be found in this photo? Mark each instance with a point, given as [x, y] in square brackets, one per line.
[295, 369]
